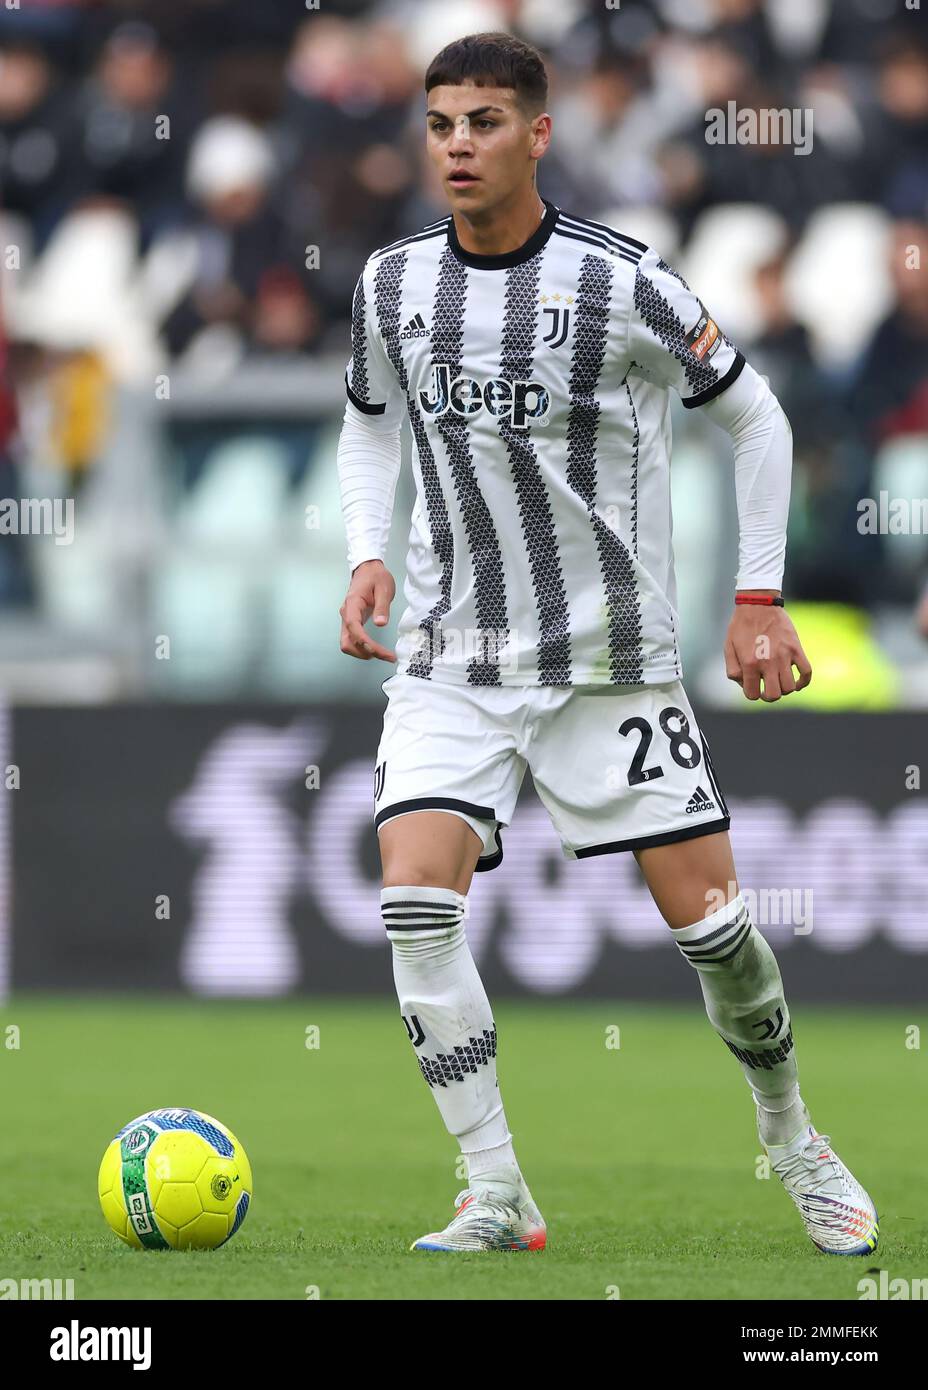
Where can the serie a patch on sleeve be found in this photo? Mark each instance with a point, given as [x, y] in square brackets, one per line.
[704, 339]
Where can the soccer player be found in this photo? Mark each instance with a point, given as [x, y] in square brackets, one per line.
[533, 353]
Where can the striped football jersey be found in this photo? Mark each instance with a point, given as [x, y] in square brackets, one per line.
[537, 387]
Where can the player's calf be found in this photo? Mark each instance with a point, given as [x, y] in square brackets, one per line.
[450, 1024]
[744, 999]
[743, 994]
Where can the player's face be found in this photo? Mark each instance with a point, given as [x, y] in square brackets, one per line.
[482, 144]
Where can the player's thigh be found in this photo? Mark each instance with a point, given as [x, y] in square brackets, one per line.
[446, 781]
[429, 848]
[689, 879]
[629, 772]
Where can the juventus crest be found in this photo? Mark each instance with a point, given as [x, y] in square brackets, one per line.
[559, 315]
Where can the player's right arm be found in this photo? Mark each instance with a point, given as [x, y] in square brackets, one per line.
[368, 462]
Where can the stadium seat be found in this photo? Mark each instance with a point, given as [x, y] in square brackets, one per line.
[727, 245]
[238, 501]
[901, 471]
[838, 282]
[83, 293]
[208, 594]
[205, 605]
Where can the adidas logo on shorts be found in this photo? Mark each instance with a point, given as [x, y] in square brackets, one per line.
[416, 328]
[699, 802]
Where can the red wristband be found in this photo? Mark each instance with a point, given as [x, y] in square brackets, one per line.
[767, 600]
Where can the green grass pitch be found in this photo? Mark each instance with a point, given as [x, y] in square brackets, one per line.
[643, 1158]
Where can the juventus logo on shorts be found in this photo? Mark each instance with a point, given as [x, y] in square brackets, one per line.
[380, 772]
[560, 322]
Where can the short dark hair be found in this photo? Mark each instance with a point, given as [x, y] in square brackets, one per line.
[492, 60]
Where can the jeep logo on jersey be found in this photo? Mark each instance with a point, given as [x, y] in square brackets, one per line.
[522, 403]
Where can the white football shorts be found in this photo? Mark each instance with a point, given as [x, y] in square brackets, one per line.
[617, 768]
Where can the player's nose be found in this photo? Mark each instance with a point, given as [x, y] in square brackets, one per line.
[460, 139]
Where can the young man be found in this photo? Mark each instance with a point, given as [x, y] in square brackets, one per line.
[533, 353]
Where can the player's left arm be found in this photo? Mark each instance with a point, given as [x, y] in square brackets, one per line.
[762, 647]
[673, 340]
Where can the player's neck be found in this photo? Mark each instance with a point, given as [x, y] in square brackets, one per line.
[503, 229]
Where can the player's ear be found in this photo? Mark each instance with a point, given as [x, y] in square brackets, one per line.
[541, 134]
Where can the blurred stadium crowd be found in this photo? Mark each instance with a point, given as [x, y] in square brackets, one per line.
[188, 190]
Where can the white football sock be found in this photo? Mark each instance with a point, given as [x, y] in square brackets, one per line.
[448, 1018]
[781, 1126]
[743, 993]
[482, 1161]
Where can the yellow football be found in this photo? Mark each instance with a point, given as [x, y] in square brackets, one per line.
[175, 1179]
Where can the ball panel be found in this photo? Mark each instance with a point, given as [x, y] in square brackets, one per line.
[224, 1130]
[110, 1174]
[178, 1156]
[219, 1185]
[177, 1204]
[241, 1211]
[205, 1232]
[115, 1213]
[170, 1233]
[194, 1122]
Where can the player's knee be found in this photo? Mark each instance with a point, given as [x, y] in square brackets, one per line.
[417, 874]
[415, 914]
[428, 848]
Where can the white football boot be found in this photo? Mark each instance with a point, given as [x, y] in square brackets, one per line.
[836, 1211]
[495, 1212]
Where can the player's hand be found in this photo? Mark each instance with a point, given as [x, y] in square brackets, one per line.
[370, 592]
[761, 649]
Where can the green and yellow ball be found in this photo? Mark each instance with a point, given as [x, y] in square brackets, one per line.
[175, 1179]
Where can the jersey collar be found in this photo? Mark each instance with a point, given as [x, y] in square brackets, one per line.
[522, 253]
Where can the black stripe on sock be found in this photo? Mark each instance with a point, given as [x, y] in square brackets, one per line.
[720, 960]
[435, 904]
[688, 949]
[712, 956]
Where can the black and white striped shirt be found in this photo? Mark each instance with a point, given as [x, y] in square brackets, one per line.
[536, 384]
